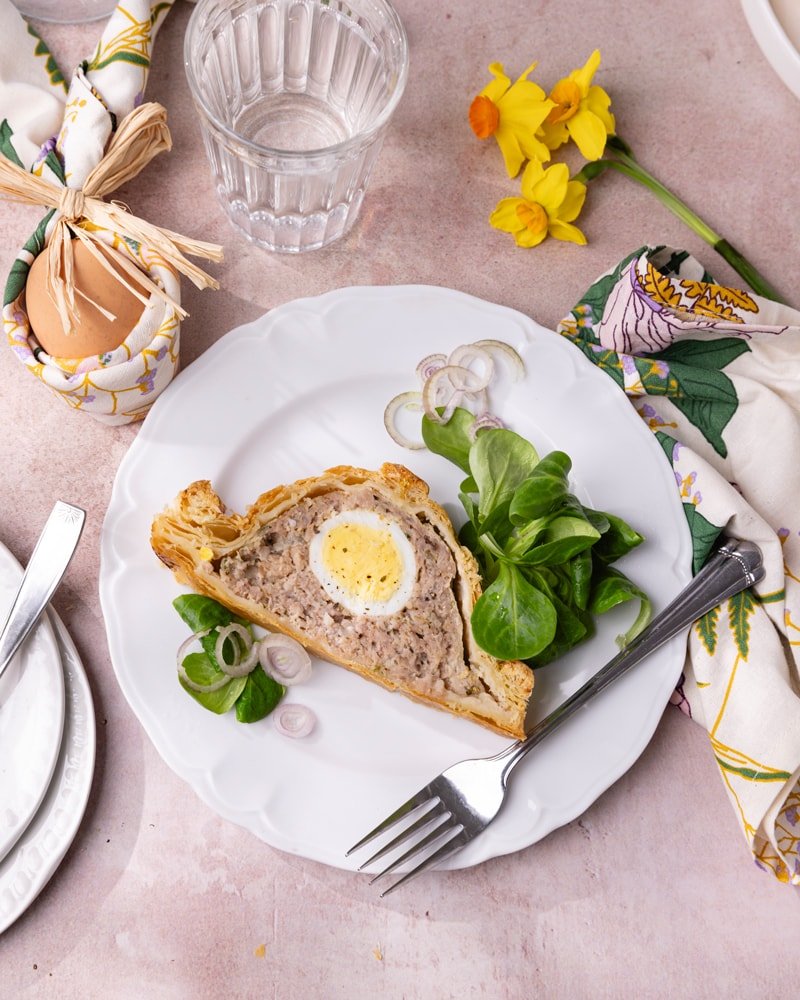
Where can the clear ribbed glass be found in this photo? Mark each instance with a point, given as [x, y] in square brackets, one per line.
[294, 97]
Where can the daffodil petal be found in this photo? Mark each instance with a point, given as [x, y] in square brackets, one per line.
[495, 89]
[525, 238]
[530, 69]
[533, 148]
[589, 133]
[526, 90]
[583, 76]
[551, 189]
[524, 109]
[505, 215]
[573, 202]
[513, 156]
[598, 102]
[531, 175]
[554, 135]
[565, 231]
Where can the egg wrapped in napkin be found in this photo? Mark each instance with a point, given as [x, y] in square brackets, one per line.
[92, 302]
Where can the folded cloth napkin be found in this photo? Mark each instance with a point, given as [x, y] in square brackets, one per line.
[715, 374]
[61, 134]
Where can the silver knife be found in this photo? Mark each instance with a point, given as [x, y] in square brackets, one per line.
[47, 565]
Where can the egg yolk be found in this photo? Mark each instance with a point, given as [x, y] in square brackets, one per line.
[364, 561]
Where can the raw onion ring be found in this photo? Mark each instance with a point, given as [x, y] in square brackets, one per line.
[429, 365]
[295, 721]
[195, 637]
[484, 421]
[405, 401]
[507, 351]
[284, 659]
[201, 688]
[465, 356]
[480, 399]
[439, 383]
[245, 655]
[463, 379]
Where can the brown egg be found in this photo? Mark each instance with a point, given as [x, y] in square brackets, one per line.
[92, 333]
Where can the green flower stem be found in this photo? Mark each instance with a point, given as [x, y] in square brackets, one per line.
[625, 163]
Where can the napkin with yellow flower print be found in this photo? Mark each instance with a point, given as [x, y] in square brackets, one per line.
[60, 132]
[715, 373]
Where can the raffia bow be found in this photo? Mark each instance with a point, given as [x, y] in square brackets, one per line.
[141, 135]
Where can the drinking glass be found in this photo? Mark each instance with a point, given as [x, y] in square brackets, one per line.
[294, 99]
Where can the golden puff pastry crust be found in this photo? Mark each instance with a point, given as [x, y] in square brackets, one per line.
[198, 539]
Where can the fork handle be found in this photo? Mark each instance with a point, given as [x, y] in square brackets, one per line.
[735, 566]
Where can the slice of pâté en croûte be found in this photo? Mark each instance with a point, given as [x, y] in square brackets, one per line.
[363, 569]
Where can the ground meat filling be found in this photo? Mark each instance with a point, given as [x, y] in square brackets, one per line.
[422, 645]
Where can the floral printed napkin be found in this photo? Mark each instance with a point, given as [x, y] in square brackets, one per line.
[715, 373]
[61, 133]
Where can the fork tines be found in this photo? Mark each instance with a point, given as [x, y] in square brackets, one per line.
[444, 836]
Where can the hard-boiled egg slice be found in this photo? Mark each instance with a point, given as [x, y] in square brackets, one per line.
[365, 562]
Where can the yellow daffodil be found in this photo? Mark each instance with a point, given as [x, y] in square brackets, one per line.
[512, 113]
[581, 112]
[550, 202]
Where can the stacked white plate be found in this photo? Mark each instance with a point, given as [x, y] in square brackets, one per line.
[47, 751]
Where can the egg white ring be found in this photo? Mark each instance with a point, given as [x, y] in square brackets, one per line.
[352, 602]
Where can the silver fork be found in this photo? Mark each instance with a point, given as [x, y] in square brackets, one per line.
[464, 799]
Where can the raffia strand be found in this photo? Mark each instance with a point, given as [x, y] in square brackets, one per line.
[83, 213]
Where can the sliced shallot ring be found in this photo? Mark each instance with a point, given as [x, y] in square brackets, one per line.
[246, 654]
[484, 421]
[195, 637]
[480, 400]
[284, 659]
[465, 356]
[429, 365]
[508, 352]
[463, 379]
[295, 721]
[442, 380]
[405, 401]
[201, 688]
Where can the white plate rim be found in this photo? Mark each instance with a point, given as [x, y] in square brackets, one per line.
[776, 46]
[112, 569]
[47, 838]
[51, 722]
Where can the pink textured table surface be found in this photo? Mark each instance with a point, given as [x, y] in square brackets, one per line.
[652, 892]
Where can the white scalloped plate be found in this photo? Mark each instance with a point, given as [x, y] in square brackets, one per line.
[304, 388]
[41, 848]
[31, 716]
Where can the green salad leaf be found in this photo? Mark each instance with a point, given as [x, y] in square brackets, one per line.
[543, 490]
[545, 559]
[513, 617]
[259, 697]
[201, 612]
[452, 440]
[254, 696]
[499, 464]
[200, 670]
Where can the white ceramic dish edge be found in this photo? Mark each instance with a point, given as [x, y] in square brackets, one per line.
[255, 819]
[40, 850]
[775, 44]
